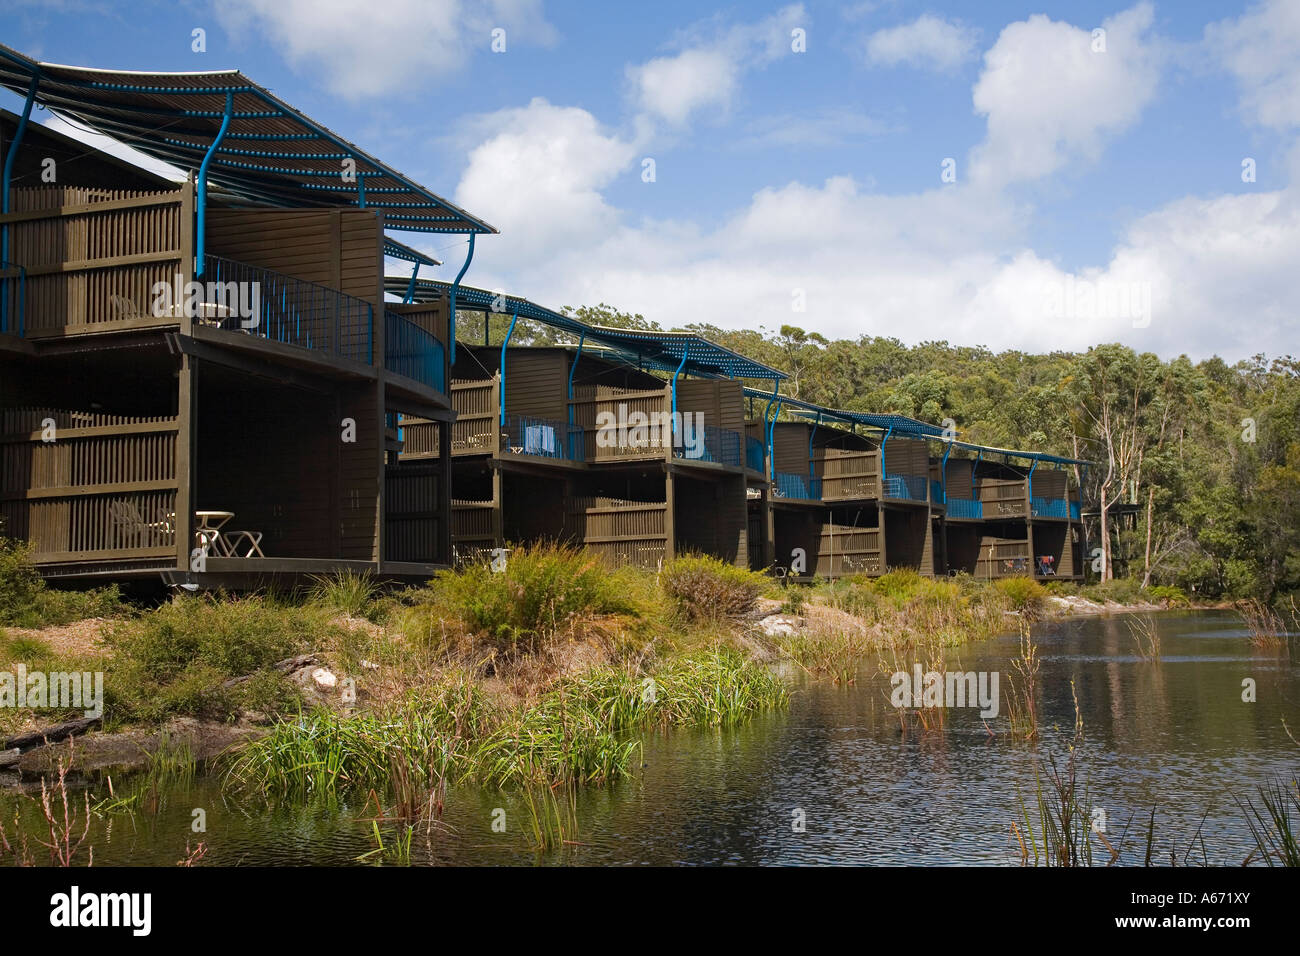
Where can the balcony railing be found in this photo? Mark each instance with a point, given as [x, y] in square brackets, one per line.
[911, 487]
[543, 437]
[753, 453]
[288, 310]
[1051, 507]
[936, 491]
[797, 486]
[414, 352]
[13, 298]
[719, 445]
[965, 508]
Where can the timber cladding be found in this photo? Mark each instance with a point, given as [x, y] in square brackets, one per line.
[92, 256]
[341, 249]
[536, 384]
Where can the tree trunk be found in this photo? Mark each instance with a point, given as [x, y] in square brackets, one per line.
[1146, 569]
[1104, 508]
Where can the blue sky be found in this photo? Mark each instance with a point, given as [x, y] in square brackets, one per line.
[1098, 193]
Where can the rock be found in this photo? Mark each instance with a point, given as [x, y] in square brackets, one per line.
[324, 678]
[370, 665]
[776, 625]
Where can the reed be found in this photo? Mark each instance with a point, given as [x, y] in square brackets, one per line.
[1271, 823]
[1146, 637]
[1267, 628]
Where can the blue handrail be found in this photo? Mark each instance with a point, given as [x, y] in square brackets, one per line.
[753, 453]
[413, 351]
[797, 486]
[294, 311]
[1050, 507]
[720, 446]
[965, 508]
[911, 487]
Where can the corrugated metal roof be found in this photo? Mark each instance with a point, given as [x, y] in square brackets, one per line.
[663, 351]
[270, 154]
[899, 424]
[400, 250]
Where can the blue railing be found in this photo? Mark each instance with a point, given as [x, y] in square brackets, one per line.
[718, 445]
[414, 352]
[797, 486]
[936, 491]
[1049, 507]
[753, 453]
[280, 308]
[965, 508]
[1074, 511]
[544, 437]
[13, 298]
[904, 486]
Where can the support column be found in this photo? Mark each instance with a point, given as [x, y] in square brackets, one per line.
[444, 492]
[186, 460]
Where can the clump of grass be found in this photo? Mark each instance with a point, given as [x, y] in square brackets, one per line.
[579, 733]
[1025, 595]
[704, 588]
[1022, 688]
[544, 589]
[347, 592]
[177, 658]
[26, 601]
[1271, 824]
[1116, 591]
[1267, 627]
[1146, 637]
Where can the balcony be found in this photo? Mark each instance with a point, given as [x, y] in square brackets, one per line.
[1050, 508]
[800, 487]
[904, 487]
[965, 508]
[936, 491]
[279, 308]
[543, 438]
[753, 454]
[413, 352]
[721, 446]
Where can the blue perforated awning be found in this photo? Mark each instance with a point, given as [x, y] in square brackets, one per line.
[269, 153]
[898, 424]
[1014, 453]
[663, 351]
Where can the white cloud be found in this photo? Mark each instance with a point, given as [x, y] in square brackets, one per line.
[1050, 98]
[362, 50]
[1262, 50]
[707, 72]
[928, 42]
[537, 177]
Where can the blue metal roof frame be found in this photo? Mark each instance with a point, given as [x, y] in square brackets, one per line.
[1027, 455]
[249, 142]
[662, 351]
[899, 424]
[400, 250]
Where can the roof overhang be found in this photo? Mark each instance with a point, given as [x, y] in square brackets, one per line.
[662, 351]
[270, 154]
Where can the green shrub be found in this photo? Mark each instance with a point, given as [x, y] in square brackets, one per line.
[1118, 590]
[1024, 594]
[898, 585]
[703, 588]
[1168, 594]
[543, 589]
[19, 584]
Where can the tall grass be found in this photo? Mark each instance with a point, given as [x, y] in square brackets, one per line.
[1271, 824]
[578, 734]
[348, 592]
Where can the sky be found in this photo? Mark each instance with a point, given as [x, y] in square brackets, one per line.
[1030, 176]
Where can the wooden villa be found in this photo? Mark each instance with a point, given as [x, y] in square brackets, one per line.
[197, 377]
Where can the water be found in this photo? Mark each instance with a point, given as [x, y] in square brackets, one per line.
[1173, 735]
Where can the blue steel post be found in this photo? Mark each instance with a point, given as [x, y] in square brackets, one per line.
[501, 393]
[681, 365]
[451, 302]
[410, 286]
[577, 355]
[8, 174]
[943, 471]
[883, 442]
[1029, 482]
[203, 184]
[769, 427]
